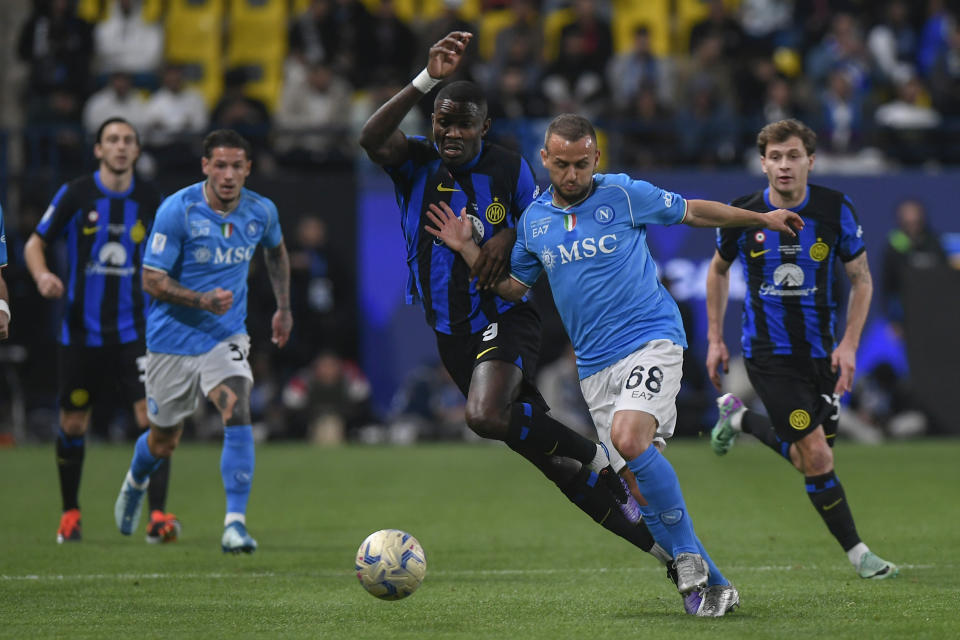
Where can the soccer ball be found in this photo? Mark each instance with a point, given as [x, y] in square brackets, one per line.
[390, 564]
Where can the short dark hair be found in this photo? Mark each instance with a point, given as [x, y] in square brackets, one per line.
[115, 119]
[226, 138]
[782, 130]
[570, 126]
[463, 91]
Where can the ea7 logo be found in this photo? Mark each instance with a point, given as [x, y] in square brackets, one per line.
[233, 255]
[539, 231]
[587, 248]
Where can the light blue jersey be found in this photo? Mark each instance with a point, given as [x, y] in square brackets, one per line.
[202, 250]
[3, 242]
[603, 278]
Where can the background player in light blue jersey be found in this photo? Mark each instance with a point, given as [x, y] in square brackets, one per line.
[196, 267]
[4, 295]
[588, 232]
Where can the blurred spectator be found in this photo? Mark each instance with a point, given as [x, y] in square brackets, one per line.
[427, 406]
[313, 36]
[636, 68]
[313, 117]
[316, 288]
[945, 76]
[893, 43]
[525, 28]
[719, 22]
[842, 48]
[595, 47]
[57, 46]
[514, 97]
[518, 53]
[328, 401]
[935, 35]
[559, 384]
[125, 41]
[117, 99]
[912, 245]
[841, 122]
[705, 66]
[572, 83]
[780, 103]
[236, 110]
[906, 124]
[706, 126]
[883, 398]
[766, 24]
[648, 132]
[388, 46]
[172, 114]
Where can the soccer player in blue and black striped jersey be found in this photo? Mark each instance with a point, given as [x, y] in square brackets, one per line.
[103, 218]
[789, 331]
[488, 345]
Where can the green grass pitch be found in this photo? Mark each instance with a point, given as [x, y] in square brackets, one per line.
[507, 556]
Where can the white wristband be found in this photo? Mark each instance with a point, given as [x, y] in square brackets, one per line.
[424, 81]
[5, 308]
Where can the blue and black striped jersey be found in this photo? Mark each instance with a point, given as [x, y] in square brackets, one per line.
[790, 307]
[104, 233]
[495, 187]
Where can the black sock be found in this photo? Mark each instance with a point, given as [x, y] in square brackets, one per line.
[828, 498]
[531, 428]
[760, 427]
[157, 489]
[70, 452]
[583, 488]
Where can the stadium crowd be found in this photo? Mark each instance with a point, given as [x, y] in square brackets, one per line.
[670, 82]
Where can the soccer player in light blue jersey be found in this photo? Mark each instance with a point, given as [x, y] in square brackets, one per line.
[4, 296]
[196, 267]
[588, 232]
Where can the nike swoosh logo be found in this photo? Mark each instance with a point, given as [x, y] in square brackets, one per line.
[756, 254]
[440, 187]
[89, 231]
[485, 351]
[831, 506]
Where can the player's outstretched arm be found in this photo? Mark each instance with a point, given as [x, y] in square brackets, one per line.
[4, 309]
[162, 287]
[278, 268]
[844, 357]
[718, 290]
[381, 137]
[708, 213]
[48, 284]
[457, 233]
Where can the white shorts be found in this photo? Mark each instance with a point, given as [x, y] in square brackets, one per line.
[647, 380]
[176, 382]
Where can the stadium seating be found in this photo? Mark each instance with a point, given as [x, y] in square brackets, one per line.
[257, 43]
[687, 13]
[194, 34]
[97, 10]
[652, 14]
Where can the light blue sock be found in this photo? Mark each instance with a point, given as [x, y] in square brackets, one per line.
[236, 466]
[144, 463]
[659, 485]
[715, 576]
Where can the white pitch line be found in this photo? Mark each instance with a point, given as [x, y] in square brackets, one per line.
[451, 573]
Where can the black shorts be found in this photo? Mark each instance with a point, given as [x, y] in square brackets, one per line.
[798, 394]
[514, 337]
[88, 375]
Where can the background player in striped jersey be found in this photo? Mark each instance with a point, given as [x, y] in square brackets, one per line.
[789, 318]
[588, 233]
[489, 345]
[103, 218]
[196, 267]
[4, 295]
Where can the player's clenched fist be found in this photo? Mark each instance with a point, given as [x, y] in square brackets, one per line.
[217, 301]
